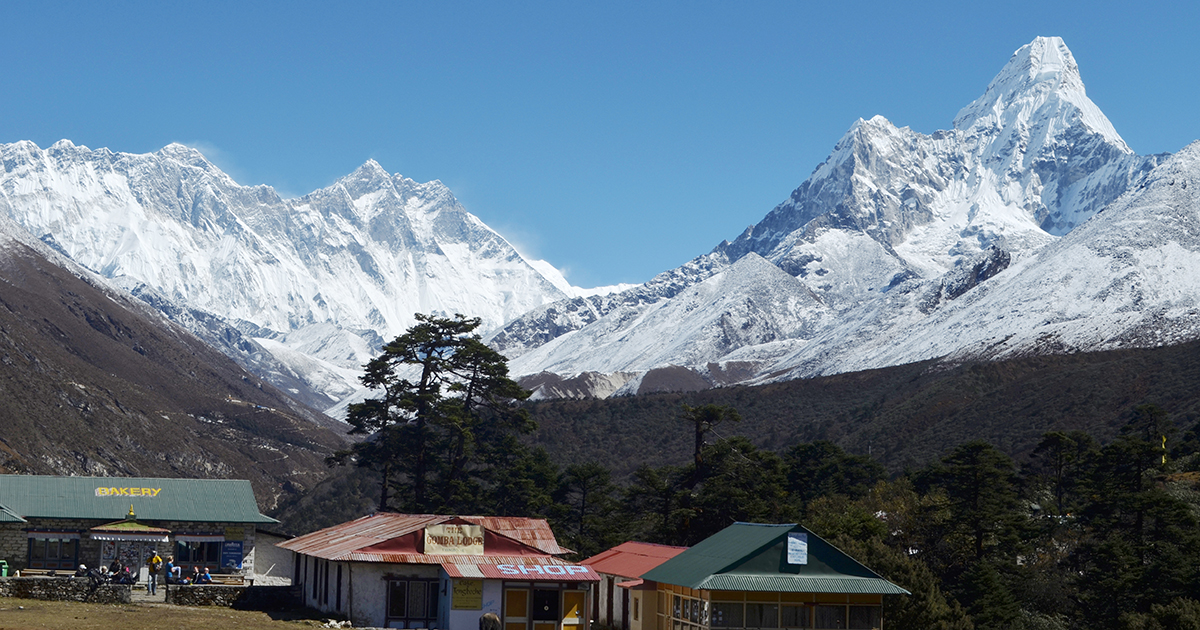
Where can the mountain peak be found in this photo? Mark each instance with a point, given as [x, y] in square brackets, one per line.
[1040, 80]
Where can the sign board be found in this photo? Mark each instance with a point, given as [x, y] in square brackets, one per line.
[542, 569]
[128, 492]
[465, 540]
[235, 533]
[231, 554]
[797, 548]
[468, 595]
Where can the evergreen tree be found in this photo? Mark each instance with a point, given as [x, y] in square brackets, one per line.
[1060, 461]
[440, 388]
[703, 420]
[587, 493]
[822, 468]
[740, 483]
[1141, 544]
[652, 505]
[980, 485]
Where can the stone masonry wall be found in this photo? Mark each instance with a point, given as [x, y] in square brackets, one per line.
[244, 597]
[13, 544]
[65, 589]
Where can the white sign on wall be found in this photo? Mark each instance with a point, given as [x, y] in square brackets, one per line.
[797, 548]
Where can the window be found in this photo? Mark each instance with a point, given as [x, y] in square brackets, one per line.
[793, 616]
[762, 615]
[412, 603]
[829, 617]
[53, 553]
[726, 615]
[865, 618]
[689, 613]
[200, 553]
[636, 600]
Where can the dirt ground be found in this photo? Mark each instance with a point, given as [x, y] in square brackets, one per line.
[25, 614]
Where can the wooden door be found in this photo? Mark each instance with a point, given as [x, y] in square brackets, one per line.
[516, 609]
[573, 603]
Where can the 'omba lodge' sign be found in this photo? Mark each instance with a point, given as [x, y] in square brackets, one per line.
[454, 540]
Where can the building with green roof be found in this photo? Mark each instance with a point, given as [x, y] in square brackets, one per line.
[58, 523]
[760, 576]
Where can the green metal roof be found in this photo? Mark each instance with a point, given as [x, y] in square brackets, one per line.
[753, 557]
[8, 516]
[110, 498]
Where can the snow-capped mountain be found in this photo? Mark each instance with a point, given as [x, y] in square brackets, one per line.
[303, 290]
[893, 233]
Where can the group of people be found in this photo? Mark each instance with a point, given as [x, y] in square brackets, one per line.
[197, 576]
[117, 573]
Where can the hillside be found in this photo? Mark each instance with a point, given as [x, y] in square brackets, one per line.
[96, 383]
[903, 416]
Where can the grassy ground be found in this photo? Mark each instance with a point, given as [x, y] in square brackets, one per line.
[25, 614]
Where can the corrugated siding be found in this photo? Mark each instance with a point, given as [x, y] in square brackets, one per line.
[794, 584]
[196, 500]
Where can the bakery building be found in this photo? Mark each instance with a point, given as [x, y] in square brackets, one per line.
[436, 571]
[57, 523]
[758, 576]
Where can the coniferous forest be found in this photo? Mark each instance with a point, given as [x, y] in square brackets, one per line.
[1085, 531]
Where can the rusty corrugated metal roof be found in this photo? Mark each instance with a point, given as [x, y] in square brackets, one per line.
[525, 570]
[632, 559]
[534, 532]
[348, 540]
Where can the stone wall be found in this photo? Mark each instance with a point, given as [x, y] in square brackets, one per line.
[243, 597]
[65, 589]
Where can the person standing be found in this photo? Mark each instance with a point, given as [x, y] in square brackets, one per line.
[154, 564]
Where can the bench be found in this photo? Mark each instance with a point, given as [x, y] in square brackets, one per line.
[46, 573]
[229, 580]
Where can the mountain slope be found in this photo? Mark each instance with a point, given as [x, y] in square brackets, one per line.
[315, 283]
[97, 383]
[895, 226]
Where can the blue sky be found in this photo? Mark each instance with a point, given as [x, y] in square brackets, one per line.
[615, 140]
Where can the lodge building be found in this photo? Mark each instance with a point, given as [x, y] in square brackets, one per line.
[57, 523]
[761, 577]
[436, 571]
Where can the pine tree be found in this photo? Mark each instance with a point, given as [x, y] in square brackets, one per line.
[441, 387]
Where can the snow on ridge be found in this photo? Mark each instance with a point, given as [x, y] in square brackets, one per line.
[353, 261]
[894, 231]
[1038, 75]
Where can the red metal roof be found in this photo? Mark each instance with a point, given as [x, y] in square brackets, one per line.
[632, 559]
[388, 537]
[543, 569]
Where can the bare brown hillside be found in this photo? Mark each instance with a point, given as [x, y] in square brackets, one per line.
[94, 383]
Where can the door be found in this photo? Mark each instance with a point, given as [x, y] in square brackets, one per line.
[573, 602]
[516, 609]
[545, 613]
[132, 555]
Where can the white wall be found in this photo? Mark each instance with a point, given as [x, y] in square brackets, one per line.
[367, 590]
[272, 566]
[469, 619]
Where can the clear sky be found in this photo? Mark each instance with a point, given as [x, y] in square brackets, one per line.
[613, 139]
